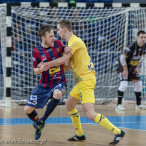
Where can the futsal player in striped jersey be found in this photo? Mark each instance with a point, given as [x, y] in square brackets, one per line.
[84, 74]
[52, 84]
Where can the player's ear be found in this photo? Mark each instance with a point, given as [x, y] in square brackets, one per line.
[42, 38]
[65, 29]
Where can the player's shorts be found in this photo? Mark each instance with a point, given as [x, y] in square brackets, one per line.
[131, 76]
[84, 91]
[40, 96]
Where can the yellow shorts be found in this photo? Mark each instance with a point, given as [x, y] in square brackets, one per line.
[84, 91]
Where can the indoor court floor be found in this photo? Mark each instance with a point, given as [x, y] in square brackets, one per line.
[16, 128]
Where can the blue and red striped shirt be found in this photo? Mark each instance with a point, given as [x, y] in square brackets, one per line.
[54, 75]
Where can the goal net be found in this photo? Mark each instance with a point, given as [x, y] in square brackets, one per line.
[105, 31]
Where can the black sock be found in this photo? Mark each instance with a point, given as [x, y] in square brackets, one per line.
[138, 98]
[120, 97]
[32, 115]
[50, 108]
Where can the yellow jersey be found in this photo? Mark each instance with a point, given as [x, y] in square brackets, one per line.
[82, 66]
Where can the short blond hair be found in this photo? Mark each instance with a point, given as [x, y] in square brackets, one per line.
[65, 23]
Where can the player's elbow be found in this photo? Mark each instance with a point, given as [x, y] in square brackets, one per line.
[36, 71]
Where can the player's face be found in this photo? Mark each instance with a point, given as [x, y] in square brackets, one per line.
[145, 38]
[60, 32]
[48, 39]
[141, 39]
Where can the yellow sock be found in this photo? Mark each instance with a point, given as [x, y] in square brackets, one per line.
[104, 122]
[76, 121]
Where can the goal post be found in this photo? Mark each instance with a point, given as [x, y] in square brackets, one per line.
[3, 59]
[105, 31]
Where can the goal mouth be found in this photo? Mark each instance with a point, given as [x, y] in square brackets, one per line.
[105, 31]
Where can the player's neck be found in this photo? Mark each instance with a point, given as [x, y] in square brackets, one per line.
[68, 36]
[140, 45]
[44, 45]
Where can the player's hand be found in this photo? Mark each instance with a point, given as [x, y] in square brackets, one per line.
[67, 49]
[44, 66]
[39, 65]
[124, 74]
[137, 70]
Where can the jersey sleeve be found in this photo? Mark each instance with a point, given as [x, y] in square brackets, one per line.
[144, 52]
[75, 46]
[36, 59]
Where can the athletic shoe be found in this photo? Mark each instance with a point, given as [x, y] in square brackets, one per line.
[38, 124]
[117, 138]
[38, 133]
[120, 107]
[141, 107]
[77, 138]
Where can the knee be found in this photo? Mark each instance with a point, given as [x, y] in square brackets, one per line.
[89, 115]
[123, 86]
[57, 94]
[69, 106]
[28, 110]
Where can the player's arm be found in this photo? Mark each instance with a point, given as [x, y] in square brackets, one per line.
[41, 67]
[37, 71]
[137, 68]
[62, 60]
[67, 66]
[124, 64]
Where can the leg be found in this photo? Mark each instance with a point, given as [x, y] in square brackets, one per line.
[121, 90]
[57, 94]
[102, 121]
[138, 91]
[31, 113]
[70, 106]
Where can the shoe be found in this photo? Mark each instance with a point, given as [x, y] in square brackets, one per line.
[117, 138]
[141, 107]
[38, 124]
[120, 107]
[77, 138]
[38, 133]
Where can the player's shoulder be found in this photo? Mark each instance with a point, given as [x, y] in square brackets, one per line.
[132, 45]
[58, 42]
[37, 48]
[77, 40]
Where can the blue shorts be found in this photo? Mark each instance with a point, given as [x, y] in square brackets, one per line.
[40, 96]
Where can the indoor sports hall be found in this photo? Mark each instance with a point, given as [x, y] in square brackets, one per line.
[107, 27]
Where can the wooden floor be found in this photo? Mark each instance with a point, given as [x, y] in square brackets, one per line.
[56, 134]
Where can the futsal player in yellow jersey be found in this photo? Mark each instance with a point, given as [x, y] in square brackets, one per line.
[84, 74]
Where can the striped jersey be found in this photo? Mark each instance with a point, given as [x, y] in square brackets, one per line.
[55, 74]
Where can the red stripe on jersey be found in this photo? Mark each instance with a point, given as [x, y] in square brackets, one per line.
[61, 46]
[47, 55]
[42, 78]
[58, 74]
[48, 59]
[51, 80]
[36, 55]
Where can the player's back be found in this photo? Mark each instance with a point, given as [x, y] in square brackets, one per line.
[83, 68]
